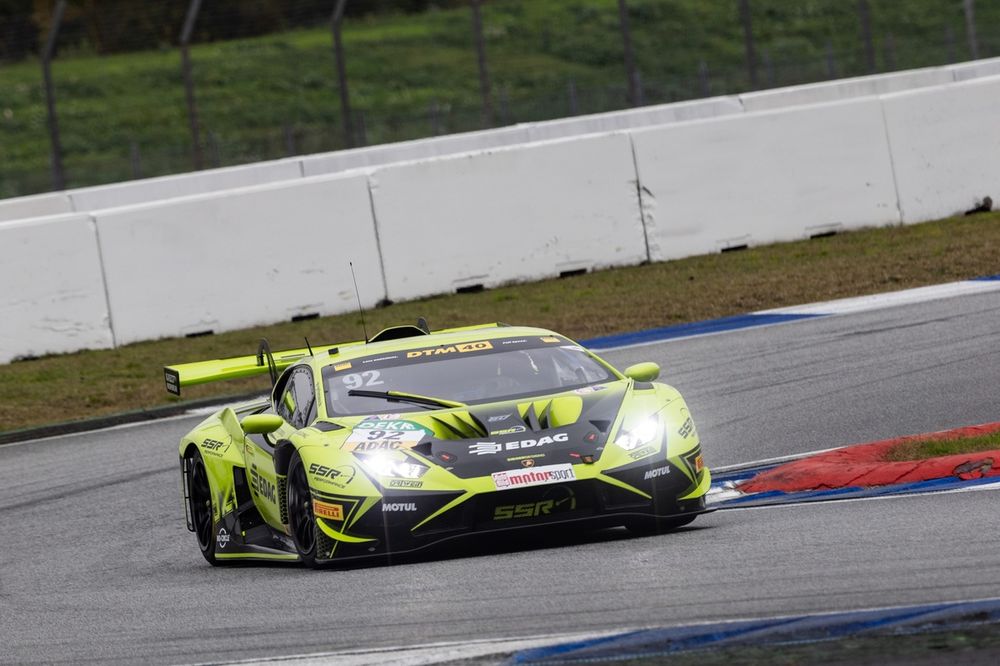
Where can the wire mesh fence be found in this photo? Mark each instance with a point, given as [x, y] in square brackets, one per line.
[265, 83]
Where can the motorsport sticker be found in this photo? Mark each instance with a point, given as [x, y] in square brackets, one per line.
[331, 511]
[371, 435]
[533, 476]
[482, 345]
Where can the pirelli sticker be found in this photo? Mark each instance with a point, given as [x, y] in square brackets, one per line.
[482, 345]
[329, 511]
[699, 464]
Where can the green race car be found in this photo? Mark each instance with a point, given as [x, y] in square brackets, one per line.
[414, 438]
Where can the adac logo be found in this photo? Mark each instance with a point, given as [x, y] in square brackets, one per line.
[482, 345]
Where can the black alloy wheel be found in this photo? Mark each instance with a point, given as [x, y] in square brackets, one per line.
[200, 497]
[301, 519]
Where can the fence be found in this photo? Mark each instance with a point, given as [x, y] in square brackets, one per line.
[125, 116]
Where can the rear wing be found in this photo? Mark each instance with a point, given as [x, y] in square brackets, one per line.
[264, 361]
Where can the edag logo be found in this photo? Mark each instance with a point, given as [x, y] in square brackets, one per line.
[488, 448]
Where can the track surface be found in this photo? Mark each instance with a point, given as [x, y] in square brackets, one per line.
[97, 566]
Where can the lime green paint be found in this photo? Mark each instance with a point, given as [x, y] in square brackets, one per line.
[261, 424]
[339, 536]
[643, 372]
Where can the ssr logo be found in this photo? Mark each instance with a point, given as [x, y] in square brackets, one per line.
[214, 446]
[262, 486]
[533, 509]
[338, 476]
[686, 428]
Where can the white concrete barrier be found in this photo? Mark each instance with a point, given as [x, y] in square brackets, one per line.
[506, 215]
[976, 69]
[181, 185]
[842, 89]
[36, 205]
[646, 116]
[406, 151]
[945, 147]
[241, 258]
[746, 180]
[53, 298]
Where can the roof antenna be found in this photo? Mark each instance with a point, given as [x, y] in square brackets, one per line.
[358, 294]
[309, 347]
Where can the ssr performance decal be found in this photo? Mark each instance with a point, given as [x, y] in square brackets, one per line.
[533, 476]
[384, 435]
[489, 448]
[338, 476]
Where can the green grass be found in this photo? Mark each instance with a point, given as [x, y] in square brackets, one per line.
[92, 383]
[932, 448]
[400, 66]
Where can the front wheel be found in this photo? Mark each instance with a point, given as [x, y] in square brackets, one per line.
[301, 519]
[200, 499]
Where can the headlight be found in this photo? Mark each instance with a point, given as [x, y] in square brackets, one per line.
[642, 434]
[382, 464]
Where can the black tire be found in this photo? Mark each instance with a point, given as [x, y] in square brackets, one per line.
[301, 519]
[200, 502]
[651, 526]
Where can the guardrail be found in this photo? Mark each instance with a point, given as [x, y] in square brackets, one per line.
[235, 258]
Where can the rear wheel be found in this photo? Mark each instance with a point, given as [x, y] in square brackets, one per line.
[301, 519]
[200, 498]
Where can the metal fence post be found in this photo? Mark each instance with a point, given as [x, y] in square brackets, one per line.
[864, 14]
[58, 174]
[630, 73]
[484, 75]
[831, 61]
[198, 157]
[347, 122]
[970, 28]
[703, 79]
[751, 53]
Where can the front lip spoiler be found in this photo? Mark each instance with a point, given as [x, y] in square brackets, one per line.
[610, 518]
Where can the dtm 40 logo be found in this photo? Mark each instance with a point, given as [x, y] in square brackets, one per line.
[262, 486]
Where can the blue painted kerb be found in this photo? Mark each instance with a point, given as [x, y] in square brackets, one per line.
[692, 329]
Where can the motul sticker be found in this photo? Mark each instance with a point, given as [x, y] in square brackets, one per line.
[533, 476]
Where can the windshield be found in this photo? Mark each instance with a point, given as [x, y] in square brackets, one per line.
[475, 372]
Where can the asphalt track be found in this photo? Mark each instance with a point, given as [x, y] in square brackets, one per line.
[96, 565]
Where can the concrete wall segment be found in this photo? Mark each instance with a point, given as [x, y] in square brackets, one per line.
[53, 298]
[522, 213]
[843, 89]
[36, 205]
[180, 185]
[945, 147]
[760, 178]
[239, 259]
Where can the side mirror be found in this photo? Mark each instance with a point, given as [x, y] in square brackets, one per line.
[643, 372]
[261, 424]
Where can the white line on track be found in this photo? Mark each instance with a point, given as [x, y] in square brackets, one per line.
[418, 655]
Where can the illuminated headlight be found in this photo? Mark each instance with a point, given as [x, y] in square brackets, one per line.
[642, 434]
[386, 465]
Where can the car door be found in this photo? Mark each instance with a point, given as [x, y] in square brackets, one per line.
[295, 403]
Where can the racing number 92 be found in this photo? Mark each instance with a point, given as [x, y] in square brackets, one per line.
[358, 379]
